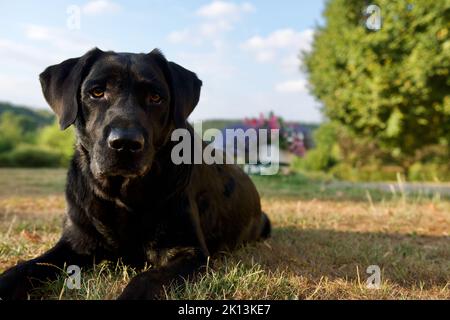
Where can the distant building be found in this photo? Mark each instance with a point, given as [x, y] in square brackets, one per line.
[295, 140]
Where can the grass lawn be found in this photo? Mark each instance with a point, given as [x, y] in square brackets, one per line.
[324, 238]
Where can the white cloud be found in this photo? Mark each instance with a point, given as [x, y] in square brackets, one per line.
[224, 9]
[211, 29]
[24, 90]
[227, 103]
[219, 72]
[23, 61]
[96, 7]
[180, 36]
[292, 86]
[281, 39]
[280, 45]
[212, 67]
[36, 32]
[206, 32]
[11, 51]
[66, 42]
[291, 62]
[216, 18]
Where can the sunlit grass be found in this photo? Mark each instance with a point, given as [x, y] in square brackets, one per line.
[320, 248]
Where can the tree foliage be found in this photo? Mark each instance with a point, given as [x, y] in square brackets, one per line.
[27, 138]
[326, 153]
[53, 138]
[31, 119]
[11, 131]
[390, 85]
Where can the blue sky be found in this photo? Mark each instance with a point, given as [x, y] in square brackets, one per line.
[244, 51]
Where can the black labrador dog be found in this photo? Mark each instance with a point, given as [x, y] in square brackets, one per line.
[126, 199]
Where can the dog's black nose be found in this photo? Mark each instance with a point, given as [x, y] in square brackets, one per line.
[130, 140]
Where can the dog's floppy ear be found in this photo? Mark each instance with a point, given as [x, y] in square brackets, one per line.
[185, 88]
[61, 84]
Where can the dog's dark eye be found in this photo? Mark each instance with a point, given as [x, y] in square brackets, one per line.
[97, 92]
[154, 98]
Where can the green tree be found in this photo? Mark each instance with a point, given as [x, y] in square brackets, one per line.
[326, 153]
[10, 131]
[52, 138]
[390, 85]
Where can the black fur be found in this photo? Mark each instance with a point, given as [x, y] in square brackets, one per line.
[137, 206]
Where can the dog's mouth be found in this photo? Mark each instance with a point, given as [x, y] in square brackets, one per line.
[128, 166]
[126, 173]
[103, 173]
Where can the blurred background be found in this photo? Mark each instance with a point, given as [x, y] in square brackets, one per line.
[357, 95]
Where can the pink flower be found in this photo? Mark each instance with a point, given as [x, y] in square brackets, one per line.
[260, 122]
[273, 122]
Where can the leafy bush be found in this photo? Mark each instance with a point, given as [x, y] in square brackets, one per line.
[51, 137]
[31, 119]
[10, 131]
[31, 156]
[348, 157]
[325, 155]
[372, 172]
[429, 172]
[44, 147]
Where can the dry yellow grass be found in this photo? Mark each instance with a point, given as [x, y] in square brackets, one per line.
[319, 249]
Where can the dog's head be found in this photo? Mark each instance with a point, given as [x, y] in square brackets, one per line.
[124, 106]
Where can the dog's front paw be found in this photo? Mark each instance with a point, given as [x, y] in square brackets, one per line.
[14, 284]
[146, 286]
